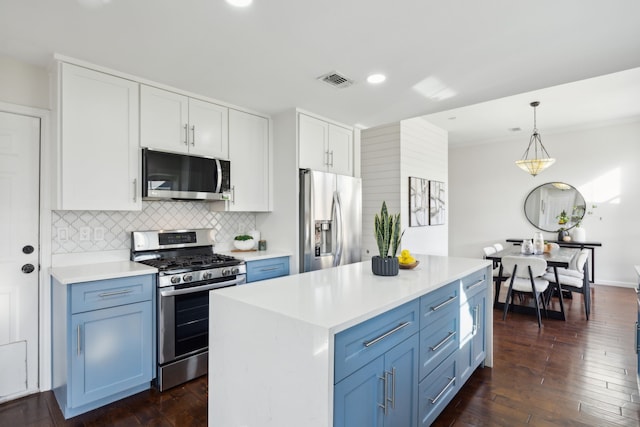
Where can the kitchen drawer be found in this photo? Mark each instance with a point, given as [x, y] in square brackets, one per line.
[360, 344]
[99, 294]
[267, 268]
[437, 390]
[473, 284]
[439, 303]
[437, 341]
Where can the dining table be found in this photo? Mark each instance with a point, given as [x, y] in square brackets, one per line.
[559, 257]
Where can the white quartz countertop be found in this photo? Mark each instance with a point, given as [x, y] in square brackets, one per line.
[99, 271]
[255, 255]
[338, 298]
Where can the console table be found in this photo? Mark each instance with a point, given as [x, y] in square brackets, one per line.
[571, 244]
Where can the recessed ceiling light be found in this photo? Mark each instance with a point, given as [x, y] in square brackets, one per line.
[240, 3]
[376, 78]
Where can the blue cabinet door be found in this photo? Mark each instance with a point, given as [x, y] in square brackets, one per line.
[358, 398]
[267, 268]
[110, 351]
[479, 339]
[401, 365]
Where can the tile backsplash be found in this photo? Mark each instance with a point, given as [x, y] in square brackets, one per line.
[92, 231]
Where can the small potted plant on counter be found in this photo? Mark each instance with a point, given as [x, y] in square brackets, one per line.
[387, 230]
[243, 242]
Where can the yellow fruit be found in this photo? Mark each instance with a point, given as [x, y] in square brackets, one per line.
[405, 257]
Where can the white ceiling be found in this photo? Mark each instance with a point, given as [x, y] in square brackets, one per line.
[437, 55]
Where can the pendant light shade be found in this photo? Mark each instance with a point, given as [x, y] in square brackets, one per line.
[535, 159]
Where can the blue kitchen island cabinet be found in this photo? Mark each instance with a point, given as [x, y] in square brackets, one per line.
[343, 347]
[103, 340]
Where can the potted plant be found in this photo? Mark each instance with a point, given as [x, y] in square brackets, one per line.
[563, 218]
[387, 232]
[243, 242]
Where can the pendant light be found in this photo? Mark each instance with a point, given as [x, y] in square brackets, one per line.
[536, 160]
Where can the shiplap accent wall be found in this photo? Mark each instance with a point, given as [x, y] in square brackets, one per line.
[390, 155]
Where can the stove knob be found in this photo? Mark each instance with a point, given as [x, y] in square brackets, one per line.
[235, 270]
[206, 275]
[175, 280]
[187, 277]
[225, 272]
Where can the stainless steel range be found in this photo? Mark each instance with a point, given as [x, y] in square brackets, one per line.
[188, 269]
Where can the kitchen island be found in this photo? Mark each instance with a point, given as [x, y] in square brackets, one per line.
[312, 349]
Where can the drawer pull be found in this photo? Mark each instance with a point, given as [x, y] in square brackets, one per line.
[475, 285]
[441, 343]
[386, 334]
[476, 310]
[451, 381]
[112, 294]
[447, 302]
[269, 269]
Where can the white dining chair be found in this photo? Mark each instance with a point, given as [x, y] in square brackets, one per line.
[498, 277]
[498, 247]
[574, 279]
[526, 278]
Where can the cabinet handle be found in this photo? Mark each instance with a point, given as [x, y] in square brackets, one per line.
[78, 340]
[451, 381]
[393, 388]
[384, 395]
[386, 334]
[114, 293]
[135, 189]
[331, 152]
[447, 302]
[233, 194]
[475, 285]
[441, 343]
[476, 309]
[186, 134]
[269, 269]
[193, 135]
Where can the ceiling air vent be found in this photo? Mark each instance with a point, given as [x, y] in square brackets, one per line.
[336, 80]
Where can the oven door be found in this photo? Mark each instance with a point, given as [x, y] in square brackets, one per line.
[183, 318]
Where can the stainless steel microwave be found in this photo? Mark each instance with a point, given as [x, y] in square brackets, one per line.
[184, 177]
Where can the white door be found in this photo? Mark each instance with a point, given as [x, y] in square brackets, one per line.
[313, 139]
[19, 252]
[164, 120]
[340, 150]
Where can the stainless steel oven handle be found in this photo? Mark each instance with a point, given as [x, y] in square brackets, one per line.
[170, 293]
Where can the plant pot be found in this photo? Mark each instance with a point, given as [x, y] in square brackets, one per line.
[384, 266]
[244, 245]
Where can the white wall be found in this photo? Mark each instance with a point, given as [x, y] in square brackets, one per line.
[390, 155]
[487, 193]
[23, 84]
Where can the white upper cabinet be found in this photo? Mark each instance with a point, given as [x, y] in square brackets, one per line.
[97, 147]
[324, 146]
[249, 156]
[178, 123]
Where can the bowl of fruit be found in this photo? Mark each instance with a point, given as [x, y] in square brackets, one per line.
[406, 261]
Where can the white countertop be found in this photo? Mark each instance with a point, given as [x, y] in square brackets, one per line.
[99, 271]
[338, 298]
[255, 255]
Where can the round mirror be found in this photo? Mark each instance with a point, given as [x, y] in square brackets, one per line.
[554, 206]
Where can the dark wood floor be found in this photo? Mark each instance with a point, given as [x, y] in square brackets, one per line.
[573, 373]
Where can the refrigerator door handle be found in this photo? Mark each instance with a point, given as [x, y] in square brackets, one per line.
[337, 206]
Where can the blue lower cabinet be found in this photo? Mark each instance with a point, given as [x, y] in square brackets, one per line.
[472, 336]
[267, 268]
[381, 393]
[103, 341]
[111, 352]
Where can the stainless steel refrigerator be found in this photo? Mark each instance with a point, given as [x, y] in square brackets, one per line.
[330, 220]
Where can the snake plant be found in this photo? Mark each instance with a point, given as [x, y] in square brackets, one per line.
[387, 230]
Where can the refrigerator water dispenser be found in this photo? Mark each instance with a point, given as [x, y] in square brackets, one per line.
[323, 238]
